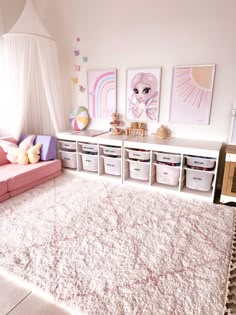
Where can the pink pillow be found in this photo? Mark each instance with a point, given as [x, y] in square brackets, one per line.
[27, 143]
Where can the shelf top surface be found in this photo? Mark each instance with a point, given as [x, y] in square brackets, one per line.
[110, 136]
[231, 149]
[104, 137]
[178, 142]
[83, 133]
[87, 135]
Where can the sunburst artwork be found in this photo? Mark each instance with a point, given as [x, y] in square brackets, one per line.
[192, 90]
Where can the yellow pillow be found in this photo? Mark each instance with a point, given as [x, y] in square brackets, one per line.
[20, 155]
[34, 153]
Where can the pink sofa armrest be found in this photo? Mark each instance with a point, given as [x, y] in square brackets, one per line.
[3, 159]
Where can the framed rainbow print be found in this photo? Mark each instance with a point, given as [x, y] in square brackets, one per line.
[192, 90]
[101, 93]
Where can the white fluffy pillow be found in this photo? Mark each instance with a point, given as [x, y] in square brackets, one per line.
[27, 143]
[6, 145]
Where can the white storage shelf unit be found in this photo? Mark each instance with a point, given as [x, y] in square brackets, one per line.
[67, 153]
[169, 166]
[111, 155]
[100, 155]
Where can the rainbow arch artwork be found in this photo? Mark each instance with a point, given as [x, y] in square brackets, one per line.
[101, 93]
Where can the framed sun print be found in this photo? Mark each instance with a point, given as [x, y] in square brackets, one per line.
[192, 91]
[101, 93]
[143, 94]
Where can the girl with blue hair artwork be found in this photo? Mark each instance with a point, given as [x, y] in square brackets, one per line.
[144, 100]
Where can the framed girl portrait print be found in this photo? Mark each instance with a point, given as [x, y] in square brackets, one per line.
[143, 94]
[192, 90]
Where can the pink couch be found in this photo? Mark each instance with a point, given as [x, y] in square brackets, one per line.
[16, 178]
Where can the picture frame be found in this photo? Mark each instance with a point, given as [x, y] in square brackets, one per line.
[192, 93]
[102, 89]
[143, 89]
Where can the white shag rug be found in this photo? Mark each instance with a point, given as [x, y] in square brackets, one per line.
[103, 248]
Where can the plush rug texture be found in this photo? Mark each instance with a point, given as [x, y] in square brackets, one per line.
[99, 247]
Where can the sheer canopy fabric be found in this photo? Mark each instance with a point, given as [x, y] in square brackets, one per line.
[33, 97]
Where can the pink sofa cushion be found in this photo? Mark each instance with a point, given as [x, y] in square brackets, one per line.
[3, 159]
[20, 190]
[4, 197]
[3, 187]
[20, 175]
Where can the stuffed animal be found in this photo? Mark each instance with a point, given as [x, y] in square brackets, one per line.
[115, 123]
[163, 132]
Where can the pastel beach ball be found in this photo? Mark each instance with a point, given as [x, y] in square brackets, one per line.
[79, 118]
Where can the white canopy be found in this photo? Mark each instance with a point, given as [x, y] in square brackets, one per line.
[29, 22]
[32, 75]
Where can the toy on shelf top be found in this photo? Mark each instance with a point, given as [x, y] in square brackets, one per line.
[79, 118]
[137, 128]
[115, 123]
[163, 132]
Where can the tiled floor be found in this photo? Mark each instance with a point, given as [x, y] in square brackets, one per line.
[16, 300]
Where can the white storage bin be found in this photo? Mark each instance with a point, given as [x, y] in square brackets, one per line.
[168, 157]
[108, 150]
[89, 147]
[112, 165]
[167, 174]
[68, 159]
[140, 155]
[67, 145]
[90, 162]
[139, 170]
[199, 180]
[200, 162]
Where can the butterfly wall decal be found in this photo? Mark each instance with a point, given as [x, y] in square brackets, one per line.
[81, 88]
[74, 80]
[76, 52]
[77, 67]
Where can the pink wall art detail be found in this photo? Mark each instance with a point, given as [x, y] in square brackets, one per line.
[102, 93]
[192, 90]
[143, 94]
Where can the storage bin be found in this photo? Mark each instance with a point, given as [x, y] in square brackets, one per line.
[200, 162]
[170, 158]
[139, 170]
[108, 150]
[199, 180]
[139, 155]
[112, 165]
[90, 162]
[68, 159]
[89, 147]
[68, 145]
[167, 174]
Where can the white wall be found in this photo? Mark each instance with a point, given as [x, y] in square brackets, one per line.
[10, 11]
[132, 33]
